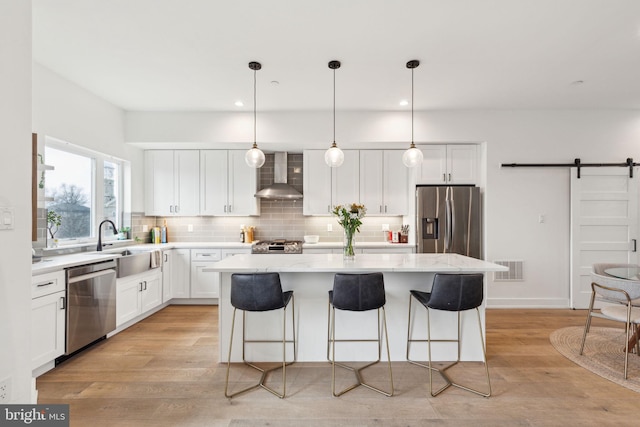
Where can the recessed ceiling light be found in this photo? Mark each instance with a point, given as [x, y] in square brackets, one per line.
[239, 104]
[404, 103]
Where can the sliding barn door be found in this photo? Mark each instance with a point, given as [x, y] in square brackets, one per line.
[604, 224]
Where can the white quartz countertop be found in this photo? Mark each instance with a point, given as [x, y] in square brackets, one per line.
[57, 263]
[366, 245]
[309, 263]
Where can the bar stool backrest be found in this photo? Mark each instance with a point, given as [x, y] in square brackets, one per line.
[456, 292]
[256, 291]
[358, 292]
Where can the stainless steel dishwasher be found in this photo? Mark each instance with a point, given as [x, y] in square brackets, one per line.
[91, 303]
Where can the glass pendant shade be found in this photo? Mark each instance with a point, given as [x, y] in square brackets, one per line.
[254, 157]
[412, 157]
[334, 156]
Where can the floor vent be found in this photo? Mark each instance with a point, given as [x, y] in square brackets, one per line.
[515, 273]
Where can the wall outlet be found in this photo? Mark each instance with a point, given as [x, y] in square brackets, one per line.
[190, 228]
[145, 228]
[329, 227]
[385, 227]
[5, 391]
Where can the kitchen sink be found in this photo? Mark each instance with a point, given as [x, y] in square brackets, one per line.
[133, 262]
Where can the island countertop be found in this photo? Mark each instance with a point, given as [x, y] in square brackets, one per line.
[309, 263]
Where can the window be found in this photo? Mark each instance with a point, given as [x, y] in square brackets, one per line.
[84, 188]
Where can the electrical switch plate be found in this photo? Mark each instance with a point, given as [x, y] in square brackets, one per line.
[329, 227]
[145, 228]
[385, 227]
[541, 218]
[6, 218]
[5, 391]
[190, 228]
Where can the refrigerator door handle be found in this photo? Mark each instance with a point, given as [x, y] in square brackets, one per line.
[447, 226]
[452, 224]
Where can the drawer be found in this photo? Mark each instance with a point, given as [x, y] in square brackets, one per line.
[206, 255]
[45, 284]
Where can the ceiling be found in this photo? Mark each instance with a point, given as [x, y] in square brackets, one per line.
[193, 55]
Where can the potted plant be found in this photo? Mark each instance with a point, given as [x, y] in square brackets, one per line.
[54, 220]
[124, 233]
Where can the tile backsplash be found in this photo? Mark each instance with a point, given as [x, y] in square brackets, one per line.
[279, 219]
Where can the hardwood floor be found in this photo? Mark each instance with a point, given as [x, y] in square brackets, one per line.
[164, 371]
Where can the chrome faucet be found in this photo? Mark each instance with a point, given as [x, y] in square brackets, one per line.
[115, 231]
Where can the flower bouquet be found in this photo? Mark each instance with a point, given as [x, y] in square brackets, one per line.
[349, 217]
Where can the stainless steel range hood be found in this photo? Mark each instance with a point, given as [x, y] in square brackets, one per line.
[279, 190]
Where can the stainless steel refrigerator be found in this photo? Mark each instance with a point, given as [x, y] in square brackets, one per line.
[448, 220]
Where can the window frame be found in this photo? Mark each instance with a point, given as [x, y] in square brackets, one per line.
[97, 191]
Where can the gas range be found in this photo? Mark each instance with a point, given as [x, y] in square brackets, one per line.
[277, 246]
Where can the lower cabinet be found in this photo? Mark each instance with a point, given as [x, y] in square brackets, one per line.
[48, 318]
[176, 276]
[205, 283]
[392, 250]
[137, 294]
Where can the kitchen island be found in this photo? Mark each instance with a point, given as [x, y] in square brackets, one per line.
[310, 276]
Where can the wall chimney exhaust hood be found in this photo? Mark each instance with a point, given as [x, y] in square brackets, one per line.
[279, 190]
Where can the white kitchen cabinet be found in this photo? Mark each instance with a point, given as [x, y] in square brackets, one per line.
[384, 183]
[227, 185]
[204, 284]
[325, 187]
[181, 273]
[172, 182]
[137, 294]
[448, 164]
[167, 271]
[48, 318]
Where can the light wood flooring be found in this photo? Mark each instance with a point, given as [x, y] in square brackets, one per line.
[164, 371]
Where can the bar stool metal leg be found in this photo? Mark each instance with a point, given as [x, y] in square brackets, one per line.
[358, 371]
[264, 372]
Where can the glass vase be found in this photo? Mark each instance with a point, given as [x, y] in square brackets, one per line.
[348, 254]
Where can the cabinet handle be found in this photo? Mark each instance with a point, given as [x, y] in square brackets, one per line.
[230, 209]
[449, 177]
[225, 208]
[145, 285]
[444, 177]
[45, 284]
[140, 289]
[385, 208]
[380, 208]
[171, 208]
[177, 208]
[63, 303]
[166, 258]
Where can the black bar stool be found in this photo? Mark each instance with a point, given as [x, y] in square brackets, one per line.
[357, 292]
[450, 292]
[261, 292]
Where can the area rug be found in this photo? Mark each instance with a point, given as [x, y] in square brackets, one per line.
[603, 353]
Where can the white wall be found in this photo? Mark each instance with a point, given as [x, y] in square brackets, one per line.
[514, 197]
[15, 191]
[65, 111]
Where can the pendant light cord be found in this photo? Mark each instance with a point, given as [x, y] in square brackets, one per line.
[254, 108]
[334, 105]
[412, 106]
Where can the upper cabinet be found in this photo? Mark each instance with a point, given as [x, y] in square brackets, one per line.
[172, 182]
[384, 182]
[227, 185]
[448, 164]
[326, 187]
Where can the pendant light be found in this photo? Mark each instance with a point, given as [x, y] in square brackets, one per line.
[255, 156]
[413, 156]
[334, 156]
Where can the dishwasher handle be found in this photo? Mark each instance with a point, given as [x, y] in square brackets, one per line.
[91, 276]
